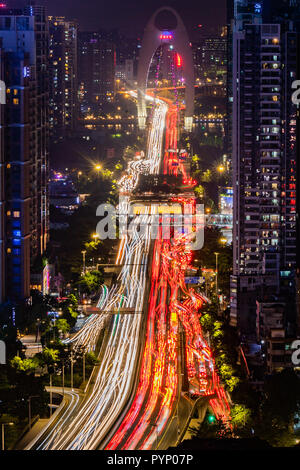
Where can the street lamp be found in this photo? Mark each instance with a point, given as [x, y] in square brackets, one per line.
[217, 290]
[83, 261]
[98, 167]
[72, 366]
[29, 408]
[3, 425]
[221, 168]
[83, 366]
[38, 323]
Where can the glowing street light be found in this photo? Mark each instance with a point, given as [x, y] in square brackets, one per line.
[223, 241]
[95, 236]
[217, 289]
[221, 168]
[98, 167]
[83, 261]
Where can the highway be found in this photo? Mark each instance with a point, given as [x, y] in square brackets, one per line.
[138, 378]
[66, 409]
[158, 393]
[85, 428]
[86, 338]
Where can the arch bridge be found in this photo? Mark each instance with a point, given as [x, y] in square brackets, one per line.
[154, 37]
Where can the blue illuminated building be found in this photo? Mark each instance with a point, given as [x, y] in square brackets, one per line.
[24, 154]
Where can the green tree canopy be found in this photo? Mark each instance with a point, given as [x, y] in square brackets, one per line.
[24, 365]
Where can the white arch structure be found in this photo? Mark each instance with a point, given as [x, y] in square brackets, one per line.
[151, 41]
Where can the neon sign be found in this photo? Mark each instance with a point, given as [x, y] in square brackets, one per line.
[257, 8]
[178, 60]
[166, 35]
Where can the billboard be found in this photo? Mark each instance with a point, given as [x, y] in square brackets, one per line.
[226, 201]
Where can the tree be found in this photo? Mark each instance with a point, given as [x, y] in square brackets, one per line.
[91, 358]
[217, 330]
[207, 176]
[207, 321]
[91, 281]
[199, 191]
[62, 325]
[240, 416]
[211, 428]
[282, 391]
[22, 384]
[24, 365]
[119, 166]
[70, 310]
[231, 383]
[49, 356]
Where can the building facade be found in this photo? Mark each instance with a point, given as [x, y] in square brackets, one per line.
[24, 36]
[263, 125]
[96, 70]
[210, 56]
[63, 76]
[2, 232]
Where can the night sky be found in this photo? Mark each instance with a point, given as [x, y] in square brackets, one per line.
[130, 16]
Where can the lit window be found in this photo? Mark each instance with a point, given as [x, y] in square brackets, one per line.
[16, 101]
[16, 214]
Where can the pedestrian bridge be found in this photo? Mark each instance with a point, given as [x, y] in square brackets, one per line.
[219, 220]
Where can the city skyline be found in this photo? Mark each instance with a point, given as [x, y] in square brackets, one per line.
[117, 14]
[149, 223]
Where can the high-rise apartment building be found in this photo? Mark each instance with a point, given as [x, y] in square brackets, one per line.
[24, 36]
[96, 69]
[62, 76]
[263, 122]
[2, 232]
[210, 56]
[41, 170]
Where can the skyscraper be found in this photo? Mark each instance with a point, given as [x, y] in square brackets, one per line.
[96, 72]
[2, 233]
[24, 38]
[210, 56]
[40, 189]
[63, 75]
[264, 51]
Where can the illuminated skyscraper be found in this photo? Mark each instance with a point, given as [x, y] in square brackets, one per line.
[24, 36]
[62, 75]
[263, 138]
[210, 56]
[2, 231]
[96, 69]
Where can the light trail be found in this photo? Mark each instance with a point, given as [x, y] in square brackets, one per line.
[86, 338]
[103, 405]
[72, 405]
[157, 391]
